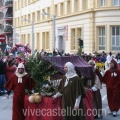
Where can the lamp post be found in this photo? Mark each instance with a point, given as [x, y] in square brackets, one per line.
[54, 27]
[32, 40]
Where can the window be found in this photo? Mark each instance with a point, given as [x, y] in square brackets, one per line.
[45, 40]
[101, 38]
[22, 4]
[19, 4]
[29, 1]
[85, 4]
[116, 2]
[38, 41]
[43, 16]
[75, 34]
[29, 17]
[116, 38]
[33, 17]
[56, 10]
[48, 11]
[68, 7]
[29, 41]
[22, 21]
[25, 16]
[61, 9]
[25, 3]
[73, 39]
[38, 15]
[102, 2]
[76, 6]
[18, 21]
[23, 39]
[16, 5]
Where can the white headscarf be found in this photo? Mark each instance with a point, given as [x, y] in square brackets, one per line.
[70, 73]
[71, 70]
[20, 75]
[92, 62]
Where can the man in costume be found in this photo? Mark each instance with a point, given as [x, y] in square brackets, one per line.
[94, 83]
[18, 83]
[72, 92]
[112, 81]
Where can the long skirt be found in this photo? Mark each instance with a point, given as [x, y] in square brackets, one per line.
[18, 109]
[97, 102]
[114, 99]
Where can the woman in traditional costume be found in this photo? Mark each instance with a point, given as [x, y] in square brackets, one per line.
[94, 83]
[72, 92]
[112, 81]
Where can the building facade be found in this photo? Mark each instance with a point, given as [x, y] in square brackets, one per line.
[96, 22]
[6, 22]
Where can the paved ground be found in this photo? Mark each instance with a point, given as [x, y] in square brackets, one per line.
[106, 108]
[6, 107]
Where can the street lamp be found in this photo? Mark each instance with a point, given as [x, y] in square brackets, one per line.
[54, 27]
[32, 25]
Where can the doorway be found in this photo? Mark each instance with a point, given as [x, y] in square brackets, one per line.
[61, 44]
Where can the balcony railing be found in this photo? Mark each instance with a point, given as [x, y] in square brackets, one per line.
[8, 16]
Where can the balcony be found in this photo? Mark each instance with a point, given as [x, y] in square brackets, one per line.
[8, 16]
[9, 3]
[8, 29]
[1, 29]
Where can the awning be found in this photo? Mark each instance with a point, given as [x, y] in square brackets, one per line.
[81, 66]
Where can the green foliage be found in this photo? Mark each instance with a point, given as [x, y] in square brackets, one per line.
[40, 70]
[48, 89]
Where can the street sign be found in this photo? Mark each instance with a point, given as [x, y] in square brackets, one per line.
[2, 38]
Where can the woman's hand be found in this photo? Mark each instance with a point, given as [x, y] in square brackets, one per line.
[76, 107]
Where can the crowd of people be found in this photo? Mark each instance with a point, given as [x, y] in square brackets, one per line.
[101, 57]
[71, 88]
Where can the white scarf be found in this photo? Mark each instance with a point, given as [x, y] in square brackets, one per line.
[113, 74]
[70, 73]
[20, 75]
